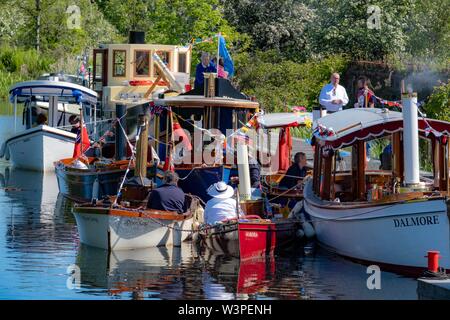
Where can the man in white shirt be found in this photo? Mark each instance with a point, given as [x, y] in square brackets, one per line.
[333, 96]
[222, 205]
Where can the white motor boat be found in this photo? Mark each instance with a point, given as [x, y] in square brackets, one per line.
[47, 137]
[391, 216]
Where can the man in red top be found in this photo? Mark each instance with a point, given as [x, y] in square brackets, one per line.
[363, 91]
[82, 137]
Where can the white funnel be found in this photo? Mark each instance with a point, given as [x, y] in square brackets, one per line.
[243, 170]
[410, 138]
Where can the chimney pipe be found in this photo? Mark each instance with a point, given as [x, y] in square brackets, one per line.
[136, 37]
[410, 139]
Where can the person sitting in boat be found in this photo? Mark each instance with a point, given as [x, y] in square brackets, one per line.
[333, 96]
[204, 66]
[255, 171]
[41, 119]
[363, 92]
[168, 197]
[221, 73]
[295, 172]
[222, 205]
[75, 122]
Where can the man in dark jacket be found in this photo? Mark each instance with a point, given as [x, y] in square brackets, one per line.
[204, 66]
[295, 172]
[168, 197]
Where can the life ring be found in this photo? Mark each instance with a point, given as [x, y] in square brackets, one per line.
[136, 83]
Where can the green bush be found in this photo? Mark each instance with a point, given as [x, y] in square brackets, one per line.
[438, 104]
[19, 65]
[278, 83]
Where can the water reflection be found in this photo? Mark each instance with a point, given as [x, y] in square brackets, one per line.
[37, 216]
[39, 240]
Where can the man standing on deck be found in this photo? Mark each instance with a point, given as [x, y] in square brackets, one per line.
[204, 66]
[333, 96]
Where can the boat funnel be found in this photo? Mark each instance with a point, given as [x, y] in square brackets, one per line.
[245, 192]
[410, 139]
[136, 37]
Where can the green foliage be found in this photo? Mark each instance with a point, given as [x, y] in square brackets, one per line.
[19, 65]
[273, 25]
[342, 27]
[278, 83]
[57, 36]
[174, 22]
[438, 104]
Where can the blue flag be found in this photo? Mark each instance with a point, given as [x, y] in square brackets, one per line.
[223, 52]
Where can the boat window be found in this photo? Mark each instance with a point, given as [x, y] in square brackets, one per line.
[119, 63]
[341, 185]
[142, 63]
[426, 155]
[165, 57]
[379, 154]
[182, 62]
[99, 65]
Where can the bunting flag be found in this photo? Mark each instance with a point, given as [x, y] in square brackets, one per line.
[178, 132]
[168, 164]
[78, 149]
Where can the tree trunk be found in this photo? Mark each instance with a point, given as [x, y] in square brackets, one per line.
[38, 25]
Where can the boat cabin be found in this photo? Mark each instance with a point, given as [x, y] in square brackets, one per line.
[360, 156]
[212, 113]
[129, 73]
[51, 102]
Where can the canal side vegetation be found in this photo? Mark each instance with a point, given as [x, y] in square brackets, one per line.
[284, 51]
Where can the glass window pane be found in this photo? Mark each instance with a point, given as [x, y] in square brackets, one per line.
[119, 63]
[142, 63]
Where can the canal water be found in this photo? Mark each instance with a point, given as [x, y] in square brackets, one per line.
[41, 258]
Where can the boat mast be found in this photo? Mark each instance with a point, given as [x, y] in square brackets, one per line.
[140, 170]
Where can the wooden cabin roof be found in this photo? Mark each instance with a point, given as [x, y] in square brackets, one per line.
[284, 119]
[199, 101]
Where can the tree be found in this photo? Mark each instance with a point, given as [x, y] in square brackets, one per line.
[357, 28]
[429, 31]
[45, 25]
[273, 25]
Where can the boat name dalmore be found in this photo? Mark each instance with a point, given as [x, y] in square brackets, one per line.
[416, 221]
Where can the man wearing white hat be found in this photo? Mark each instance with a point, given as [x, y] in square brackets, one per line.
[222, 205]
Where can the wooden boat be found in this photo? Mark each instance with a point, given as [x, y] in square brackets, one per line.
[203, 113]
[249, 237]
[390, 216]
[116, 228]
[124, 223]
[280, 125]
[39, 145]
[100, 178]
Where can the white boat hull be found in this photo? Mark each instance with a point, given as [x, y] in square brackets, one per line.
[38, 148]
[398, 234]
[112, 232]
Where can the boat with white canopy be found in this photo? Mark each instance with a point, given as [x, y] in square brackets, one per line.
[279, 127]
[47, 106]
[385, 211]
